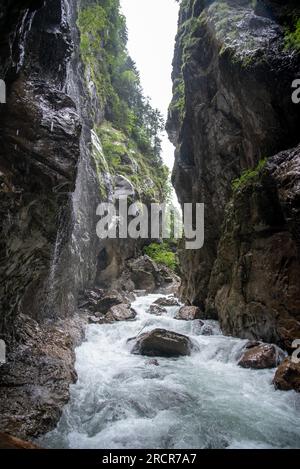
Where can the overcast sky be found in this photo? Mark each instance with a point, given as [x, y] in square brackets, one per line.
[152, 26]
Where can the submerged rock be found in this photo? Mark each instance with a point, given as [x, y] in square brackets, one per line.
[156, 310]
[11, 442]
[163, 343]
[153, 362]
[207, 329]
[169, 301]
[261, 356]
[189, 313]
[287, 376]
[121, 312]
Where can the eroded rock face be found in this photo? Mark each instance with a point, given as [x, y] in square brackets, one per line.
[100, 301]
[254, 287]
[34, 383]
[287, 376]
[261, 356]
[161, 342]
[169, 301]
[42, 134]
[225, 116]
[40, 129]
[189, 313]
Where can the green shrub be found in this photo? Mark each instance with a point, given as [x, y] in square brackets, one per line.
[104, 52]
[292, 38]
[248, 175]
[162, 254]
[139, 166]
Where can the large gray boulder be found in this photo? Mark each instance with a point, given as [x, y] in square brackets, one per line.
[161, 342]
[121, 312]
[189, 313]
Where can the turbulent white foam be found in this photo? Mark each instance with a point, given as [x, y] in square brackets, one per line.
[201, 401]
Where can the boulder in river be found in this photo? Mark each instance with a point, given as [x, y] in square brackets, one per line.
[189, 313]
[261, 356]
[167, 301]
[164, 343]
[110, 299]
[121, 312]
[156, 310]
[100, 301]
[287, 376]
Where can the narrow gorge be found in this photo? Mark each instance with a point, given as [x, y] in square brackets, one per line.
[142, 343]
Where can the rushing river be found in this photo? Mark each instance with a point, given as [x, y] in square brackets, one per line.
[201, 401]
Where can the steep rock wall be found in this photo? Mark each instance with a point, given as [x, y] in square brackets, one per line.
[53, 174]
[254, 287]
[231, 107]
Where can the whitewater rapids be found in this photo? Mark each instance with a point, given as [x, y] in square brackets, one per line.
[201, 401]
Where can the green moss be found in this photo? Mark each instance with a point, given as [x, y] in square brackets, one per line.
[124, 157]
[104, 52]
[177, 105]
[162, 254]
[132, 128]
[248, 175]
[292, 37]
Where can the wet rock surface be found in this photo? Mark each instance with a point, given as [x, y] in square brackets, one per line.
[121, 312]
[261, 356]
[161, 342]
[226, 56]
[100, 301]
[167, 301]
[254, 286]
[11, 442]
[189, 313]
[34, 383]
[287, 376]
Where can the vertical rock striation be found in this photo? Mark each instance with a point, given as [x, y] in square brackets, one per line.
[233, 70]
[53, 174]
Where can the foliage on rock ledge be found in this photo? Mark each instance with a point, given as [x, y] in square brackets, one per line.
[248, 175]
[292, 37]
[114, 82]
[163, 253]
[124, 157]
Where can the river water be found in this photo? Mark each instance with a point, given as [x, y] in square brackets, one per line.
[201, 401]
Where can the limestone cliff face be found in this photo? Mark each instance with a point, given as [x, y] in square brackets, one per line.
[40, 148]
[44, 144]
[254, 286]
[54, 171]
[231, 108]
